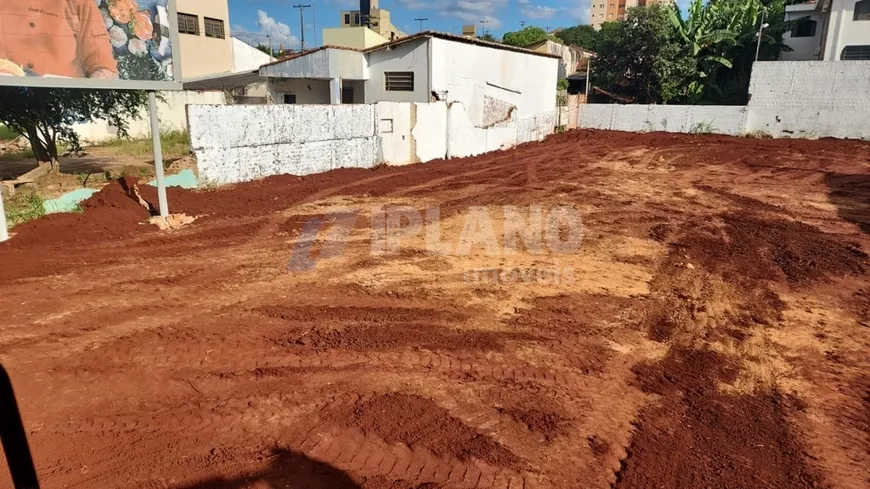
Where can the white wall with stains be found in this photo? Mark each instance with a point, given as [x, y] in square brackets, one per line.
[237, 143]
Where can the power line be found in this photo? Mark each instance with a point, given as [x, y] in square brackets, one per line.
[302, 24]
[420, 20]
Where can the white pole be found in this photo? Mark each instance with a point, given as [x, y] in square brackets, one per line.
[4, 233]
[158, 155]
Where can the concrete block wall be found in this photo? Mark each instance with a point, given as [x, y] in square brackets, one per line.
[667, 118]
[810, 99]
[237, 143]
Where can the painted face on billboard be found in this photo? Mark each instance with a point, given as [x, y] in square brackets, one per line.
[96, 39]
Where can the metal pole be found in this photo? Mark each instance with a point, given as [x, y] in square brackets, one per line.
[760, 31]
[158, 155]
[4, 233]
[302, 25]
[588, 77]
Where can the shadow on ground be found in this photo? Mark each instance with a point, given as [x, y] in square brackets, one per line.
[288, 469]
[851, 195]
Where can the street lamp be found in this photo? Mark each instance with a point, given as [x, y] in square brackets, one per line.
[760, 33]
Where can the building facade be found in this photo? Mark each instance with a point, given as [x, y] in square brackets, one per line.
[613, 10]
[828, 30]
[363, 28]
[204, 37]
[486, 78]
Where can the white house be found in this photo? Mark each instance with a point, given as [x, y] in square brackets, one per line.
[489, 79]
[834, 30]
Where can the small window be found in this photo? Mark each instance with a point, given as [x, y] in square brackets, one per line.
[346, 19]
[862, 10]
[290, 98]
[856, 53]
[355, 19]
[347, 95]
[399, 81]
[188, 24]
[214, 28]
[805, 28]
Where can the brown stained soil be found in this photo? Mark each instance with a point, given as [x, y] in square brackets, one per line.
[711, 332]
[420, 423]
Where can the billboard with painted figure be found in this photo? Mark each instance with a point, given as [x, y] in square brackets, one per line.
[89, 43]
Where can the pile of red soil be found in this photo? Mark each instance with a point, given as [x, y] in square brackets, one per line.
[110, 213]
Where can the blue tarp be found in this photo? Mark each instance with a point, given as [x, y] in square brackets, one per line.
[68, 202]
[183, 179]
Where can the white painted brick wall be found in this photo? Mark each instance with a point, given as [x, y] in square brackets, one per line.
[236, 143]
[810, 98]
[668, 118]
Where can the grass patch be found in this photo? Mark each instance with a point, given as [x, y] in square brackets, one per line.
[176, 144]
[7, 134]
[25, 206]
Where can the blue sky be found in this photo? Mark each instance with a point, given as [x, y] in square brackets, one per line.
[252, 20]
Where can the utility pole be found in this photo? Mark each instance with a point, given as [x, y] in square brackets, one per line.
[420, 20]
[522, 24]
[302, 24]
[271, 53]
[483, 27]
[760, 33]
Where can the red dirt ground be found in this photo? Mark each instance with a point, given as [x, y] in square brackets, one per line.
[715, 331]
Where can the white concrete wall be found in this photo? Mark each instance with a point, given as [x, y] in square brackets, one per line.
[171, 111]
[468, 73]
[237, 143]
[247, 57]
[810, 99]
[430, 131]
[668, 118]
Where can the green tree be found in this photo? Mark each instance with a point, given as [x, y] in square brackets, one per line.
[45, 116]
[641, 59]
[525, 37]
[487, 36]
[584, 36]
[722, 36]
[265, 49]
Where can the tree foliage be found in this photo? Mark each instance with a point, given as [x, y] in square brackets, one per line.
[45, 116]
[524, 37]
[642, 60]
[584, 36]
[487, 36]
[266, 49]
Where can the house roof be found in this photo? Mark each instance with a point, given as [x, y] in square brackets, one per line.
[223, 81]
[309, 51]
[466, 40]
[414, 37]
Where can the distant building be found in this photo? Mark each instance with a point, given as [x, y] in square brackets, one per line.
[574, 58]
[363, 28]
[834, 30]
[204, 39]
[612, 10]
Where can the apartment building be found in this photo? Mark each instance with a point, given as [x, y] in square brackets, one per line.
[612, 10]
[364, 28]
[203, 34]
[828, 30]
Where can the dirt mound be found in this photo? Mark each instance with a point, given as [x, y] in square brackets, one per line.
[420, 423]
[699, 437]
[751, 247]
[547, 423]
[110, 213]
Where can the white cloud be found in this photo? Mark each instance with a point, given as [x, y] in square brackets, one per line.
[578, 14]
[280, 33]
[537, 11]
[470, 11]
